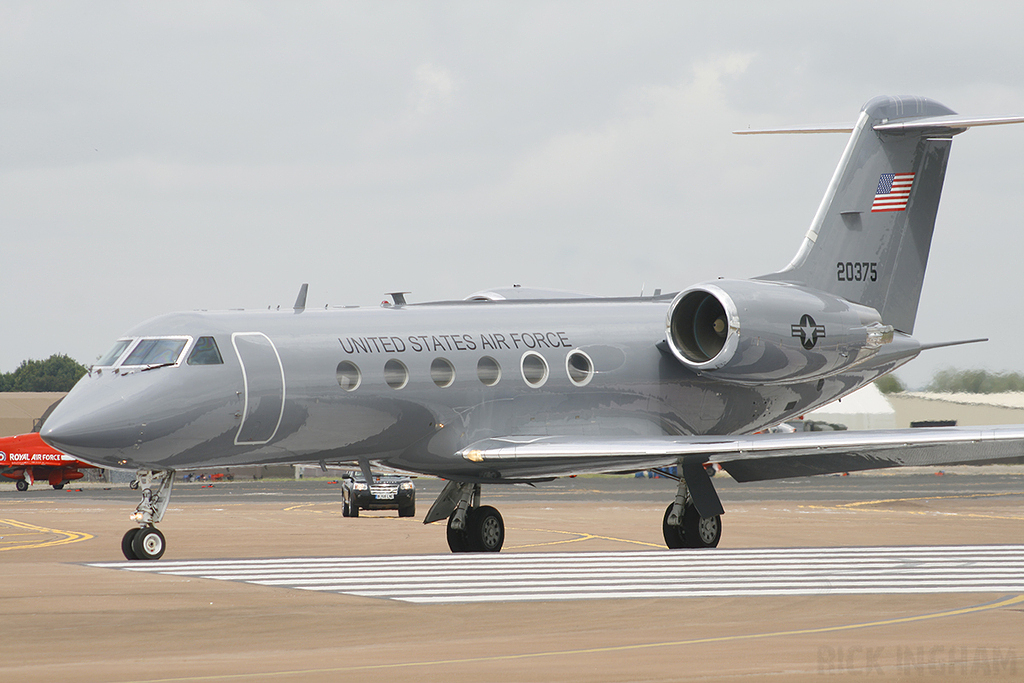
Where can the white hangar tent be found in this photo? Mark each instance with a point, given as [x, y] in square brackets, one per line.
[865, 408]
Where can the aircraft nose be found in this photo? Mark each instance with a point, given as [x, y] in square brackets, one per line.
[90, 423]
[143, 419]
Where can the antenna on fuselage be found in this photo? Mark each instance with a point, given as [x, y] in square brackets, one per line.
[398, 297]
[300, 301]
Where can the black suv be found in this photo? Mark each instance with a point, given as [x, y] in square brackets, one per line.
[387, 492]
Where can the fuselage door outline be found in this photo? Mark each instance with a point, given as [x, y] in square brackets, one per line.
[254, 435]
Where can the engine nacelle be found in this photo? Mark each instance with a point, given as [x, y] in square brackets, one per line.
[752, 331]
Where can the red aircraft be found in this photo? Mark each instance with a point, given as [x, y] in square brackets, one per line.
[26, 458]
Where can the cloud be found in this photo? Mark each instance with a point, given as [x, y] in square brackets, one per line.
[434, 90]
[649, 135]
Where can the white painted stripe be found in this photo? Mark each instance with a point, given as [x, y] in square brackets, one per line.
[626, 575]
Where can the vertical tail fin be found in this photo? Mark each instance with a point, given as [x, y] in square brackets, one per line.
[870, 238]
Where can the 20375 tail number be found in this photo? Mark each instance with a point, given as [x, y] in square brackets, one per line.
[863, 271]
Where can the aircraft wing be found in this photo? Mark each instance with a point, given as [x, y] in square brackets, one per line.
[756, 457]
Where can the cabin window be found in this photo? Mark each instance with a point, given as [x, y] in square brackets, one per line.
[396, 374]
[111, 356]
[442, 372]
[205, 352]
[535, 369]
[488, 371]
[579, 367]
[348, 375]
[156, 351]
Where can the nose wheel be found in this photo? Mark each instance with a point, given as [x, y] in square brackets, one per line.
[145, 542]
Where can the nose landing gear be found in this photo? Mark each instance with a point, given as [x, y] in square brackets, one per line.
[146, 542]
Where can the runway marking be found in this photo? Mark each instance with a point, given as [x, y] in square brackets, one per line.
[580, 536]
[66, 536]
[522, 577]
[984, 607]
[861, 505]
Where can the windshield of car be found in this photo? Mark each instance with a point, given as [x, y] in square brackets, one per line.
[156, 351]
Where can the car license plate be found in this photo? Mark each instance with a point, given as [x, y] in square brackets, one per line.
[385, 496]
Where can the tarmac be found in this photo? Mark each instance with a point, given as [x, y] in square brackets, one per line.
[63, 619]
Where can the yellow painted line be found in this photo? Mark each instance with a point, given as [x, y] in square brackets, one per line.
[999, 604]
[301, 505]
[67, 536]
[580, 536]
[903, 500]
[368, 514]
[883, 501]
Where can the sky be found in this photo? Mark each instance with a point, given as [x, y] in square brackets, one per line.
[157, 157]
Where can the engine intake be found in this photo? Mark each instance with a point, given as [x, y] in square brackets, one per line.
[752, 331]
[699, 326]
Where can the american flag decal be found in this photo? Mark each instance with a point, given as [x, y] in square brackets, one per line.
[893, 192]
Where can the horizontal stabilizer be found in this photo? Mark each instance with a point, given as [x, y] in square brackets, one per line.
[935, 125]
[938, 125]
[799, 130]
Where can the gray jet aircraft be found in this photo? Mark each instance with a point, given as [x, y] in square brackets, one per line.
[522, 386]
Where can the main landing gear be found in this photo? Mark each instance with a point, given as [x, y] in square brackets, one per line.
[472, 528]
[146, 542]
[693, 520]
[683, 526]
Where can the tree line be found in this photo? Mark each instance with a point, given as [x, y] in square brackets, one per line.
[56, 373]
[954, 381]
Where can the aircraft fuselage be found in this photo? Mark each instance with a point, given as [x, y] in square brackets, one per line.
[411, 385]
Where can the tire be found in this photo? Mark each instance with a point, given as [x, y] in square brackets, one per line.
[22, 485]
[407, 511]
[674, 537]
[353, 509]
[58, 486]
[701, 532]
[149, 543]
[457, 540]
[485, 530]
[126, 544]
[344, 509]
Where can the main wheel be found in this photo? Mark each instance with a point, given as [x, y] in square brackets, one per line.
[58, 486]
[22, 485]
[701, 532]
[674, 537]
[126, 543]
[148, 543]
[485, 529]
[457, 538]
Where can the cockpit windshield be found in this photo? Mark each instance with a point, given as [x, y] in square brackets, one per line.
[156, 351]
[111, 356]
[205, 352]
